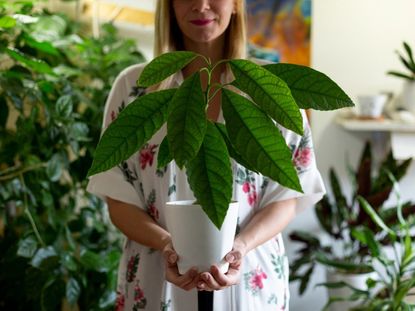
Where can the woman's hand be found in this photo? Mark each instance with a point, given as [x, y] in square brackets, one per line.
[186, 281]
[217, 280]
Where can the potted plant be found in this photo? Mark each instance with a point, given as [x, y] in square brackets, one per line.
[204, 148]
[346, 257]
[393, 286]
[408, 91]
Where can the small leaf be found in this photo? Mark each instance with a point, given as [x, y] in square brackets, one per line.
[31, 63]
[73, 291]
[410, 56]
[258, 140]
[45, 46]
[135, 125]
[269, 92]
[163, 66]
[210, 176]
[54, 168]
[27, 247]
[375, 217]
[79, 131]
[43, 255]
[186, 124]
[311, 88]
[92, 261]
[164, 156]
[366, 237]
[64, 106]
[4, 111]
[7, 22]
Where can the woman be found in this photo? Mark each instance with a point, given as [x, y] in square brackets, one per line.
[136, 191]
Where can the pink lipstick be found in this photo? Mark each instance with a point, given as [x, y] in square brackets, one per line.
[201, 22]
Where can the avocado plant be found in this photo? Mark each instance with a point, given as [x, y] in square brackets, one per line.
[253, 104]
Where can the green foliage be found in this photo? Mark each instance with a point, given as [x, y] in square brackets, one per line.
[408, 62]
[352, 224]
[394, 283]
[251, 136]
[57, 246]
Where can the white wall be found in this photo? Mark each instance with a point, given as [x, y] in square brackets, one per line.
[353, 41]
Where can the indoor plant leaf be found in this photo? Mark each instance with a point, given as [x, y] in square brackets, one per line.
[258, 139]
[136, 124]
[73, 291]
[311, 88]
[164, 66]
[164, 156]
[269, 92]
[210, 176]
[186, 123]
[232, 152]
[37, 65]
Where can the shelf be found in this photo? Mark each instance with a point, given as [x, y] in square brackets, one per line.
[385, 125]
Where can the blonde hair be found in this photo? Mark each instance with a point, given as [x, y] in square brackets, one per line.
[168, 35]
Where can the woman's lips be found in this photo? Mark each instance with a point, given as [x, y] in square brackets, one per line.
[201, 22]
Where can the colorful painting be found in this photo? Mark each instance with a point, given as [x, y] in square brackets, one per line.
[279, 30]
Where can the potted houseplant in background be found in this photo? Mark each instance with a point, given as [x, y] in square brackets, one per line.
[346, 257]
[393, 287]
[204, 148]
[408, 91]
[58, 250]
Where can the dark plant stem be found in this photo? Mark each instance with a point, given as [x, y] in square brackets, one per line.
[205, 301]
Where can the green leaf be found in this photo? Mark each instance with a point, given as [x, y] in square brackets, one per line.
[401, 75]
[31, 63]
[45, 46]
[210, 176]
[232, 152]
[375, 217]
[27, 247]
[64, 106]
[343, 265]
[258, 140]
[45, 257]
[92, 261]
[269, 92]
[366, 237]
[163, 66]
[311, 88]
[7, 22]
[79, 131]
[73, 291]
[164, 156]
[410, 56]
[134, 126]
[186, 124]
[54, 168]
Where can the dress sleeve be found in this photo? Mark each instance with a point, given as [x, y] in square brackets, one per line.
[120, 182]
[305, 164]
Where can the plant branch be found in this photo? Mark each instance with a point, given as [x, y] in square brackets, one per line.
[19, 171]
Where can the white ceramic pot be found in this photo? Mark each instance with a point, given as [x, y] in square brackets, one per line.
[196, 239]
[356, 280]
[371, 106]
[408, 96]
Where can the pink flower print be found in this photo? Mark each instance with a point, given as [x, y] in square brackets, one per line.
[147, 155]
[252, 196]
[245, 187]
[256, 279]
[119, 302]
[153, 211]
[140, 301]
[132, 267]
[302, 157]
[138, 293]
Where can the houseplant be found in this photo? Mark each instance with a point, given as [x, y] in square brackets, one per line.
[338, 217]
[203, 147]
[392, 289]
[408, 91]
[58, 249]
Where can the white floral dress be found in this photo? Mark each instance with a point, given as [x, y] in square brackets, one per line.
[141, 280]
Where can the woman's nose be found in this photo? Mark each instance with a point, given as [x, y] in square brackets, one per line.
[201, 5]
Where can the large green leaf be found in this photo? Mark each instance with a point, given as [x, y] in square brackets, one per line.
[311, 88]
[186, 124]
[258, 140]
[7, 22]
[210, 176]
[135, 125]
[164, 156]
[163, 66]
[34, 64]
[269, 92]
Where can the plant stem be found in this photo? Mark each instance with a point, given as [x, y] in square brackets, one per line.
[27, 212]
[20, 171]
